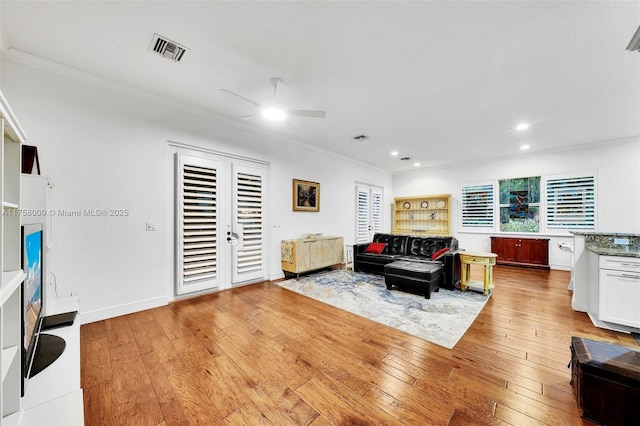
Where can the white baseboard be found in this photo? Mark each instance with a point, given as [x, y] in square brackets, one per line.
[116, 311]
[276, 276]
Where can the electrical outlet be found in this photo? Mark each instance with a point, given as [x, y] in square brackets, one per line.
[151, 226]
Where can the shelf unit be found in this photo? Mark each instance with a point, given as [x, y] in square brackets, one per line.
[12, 276]
[422, 215]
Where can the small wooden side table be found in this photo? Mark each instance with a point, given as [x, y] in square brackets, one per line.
[468, 258]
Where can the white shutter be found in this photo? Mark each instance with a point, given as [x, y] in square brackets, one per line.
[369, 212]
[362, 218]
[376, 210]
[248, 223]
[197, 227]
[571, 203]
[477, 204]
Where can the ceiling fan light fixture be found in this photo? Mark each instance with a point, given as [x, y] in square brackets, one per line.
[273, 114]
[634, 44]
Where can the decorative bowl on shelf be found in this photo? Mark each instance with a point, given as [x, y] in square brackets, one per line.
[424, 204]
[406, 205]
[440, 204]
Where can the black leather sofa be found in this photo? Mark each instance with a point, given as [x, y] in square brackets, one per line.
[410, 248]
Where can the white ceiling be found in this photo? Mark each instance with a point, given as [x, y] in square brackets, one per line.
[439, 82]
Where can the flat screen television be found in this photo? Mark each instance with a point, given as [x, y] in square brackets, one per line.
[32, 295]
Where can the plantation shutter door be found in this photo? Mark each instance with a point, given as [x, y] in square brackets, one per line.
[362, 214]
[376, 212]
[248, 223]
[197, 227]
[571, 203]
[369, 215]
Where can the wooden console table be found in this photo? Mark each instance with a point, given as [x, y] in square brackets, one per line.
[468, 258]
[308, 254]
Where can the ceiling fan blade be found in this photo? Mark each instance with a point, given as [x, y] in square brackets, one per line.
[241, 97]
[307, 113]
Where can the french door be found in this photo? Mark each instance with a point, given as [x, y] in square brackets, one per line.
[220, 233]
[368, 212]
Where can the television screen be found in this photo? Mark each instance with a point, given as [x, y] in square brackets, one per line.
[31, 290]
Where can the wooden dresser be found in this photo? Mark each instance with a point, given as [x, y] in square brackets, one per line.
[308, 254]
[514, 251]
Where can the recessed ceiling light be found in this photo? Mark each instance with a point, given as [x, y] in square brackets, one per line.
[394, 153]
[522, 126]
[273, 114]
[416, 164]
[525, 147]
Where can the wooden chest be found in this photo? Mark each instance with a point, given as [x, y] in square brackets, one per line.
[606, 381]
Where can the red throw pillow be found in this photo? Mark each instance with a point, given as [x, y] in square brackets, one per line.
[439, 253]
[375, 248]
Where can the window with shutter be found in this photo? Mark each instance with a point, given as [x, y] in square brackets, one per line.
[477, 206]
[571, 202]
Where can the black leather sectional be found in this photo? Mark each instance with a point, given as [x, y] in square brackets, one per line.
[412, 248]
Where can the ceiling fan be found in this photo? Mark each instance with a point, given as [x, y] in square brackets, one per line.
[274, 111]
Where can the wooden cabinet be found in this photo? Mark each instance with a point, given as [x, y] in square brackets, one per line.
[308, 254]
[530, 252]
[422, 215]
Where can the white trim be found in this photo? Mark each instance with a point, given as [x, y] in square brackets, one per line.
[116, 311]
[46, 65]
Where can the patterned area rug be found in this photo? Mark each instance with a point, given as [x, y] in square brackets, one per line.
[442, 320]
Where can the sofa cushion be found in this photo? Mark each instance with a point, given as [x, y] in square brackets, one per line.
[377, 258]
[396, 244]
[427, 246]
[375, 248]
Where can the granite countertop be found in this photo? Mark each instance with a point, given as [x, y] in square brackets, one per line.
[612, 244]
[608, 251]
[608, 234]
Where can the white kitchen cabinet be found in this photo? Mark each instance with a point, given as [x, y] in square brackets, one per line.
[619, 290]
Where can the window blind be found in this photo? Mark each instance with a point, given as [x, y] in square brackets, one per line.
[199, 223]
[477, 206]
[571, 203]
[249, 217]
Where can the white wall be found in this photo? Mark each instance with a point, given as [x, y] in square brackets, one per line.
[107, 150]
[617, 192]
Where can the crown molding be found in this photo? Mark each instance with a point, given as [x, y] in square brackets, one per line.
[38, 62]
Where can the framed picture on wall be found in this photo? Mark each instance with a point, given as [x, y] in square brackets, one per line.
[306, 196]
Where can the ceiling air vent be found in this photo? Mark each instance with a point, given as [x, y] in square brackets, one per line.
[167, 48]
[634, 44]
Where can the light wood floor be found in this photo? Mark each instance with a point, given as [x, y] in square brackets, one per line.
[261, 355]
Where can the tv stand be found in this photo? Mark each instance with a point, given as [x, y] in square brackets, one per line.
[48, 349]
[55, 392]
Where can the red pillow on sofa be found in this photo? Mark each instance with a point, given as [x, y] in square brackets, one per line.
[375, 248]
[439, 253]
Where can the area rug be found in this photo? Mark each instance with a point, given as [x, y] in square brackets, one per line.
[442, 320]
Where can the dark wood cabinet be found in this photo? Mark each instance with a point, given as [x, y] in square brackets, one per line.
[530, 252]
